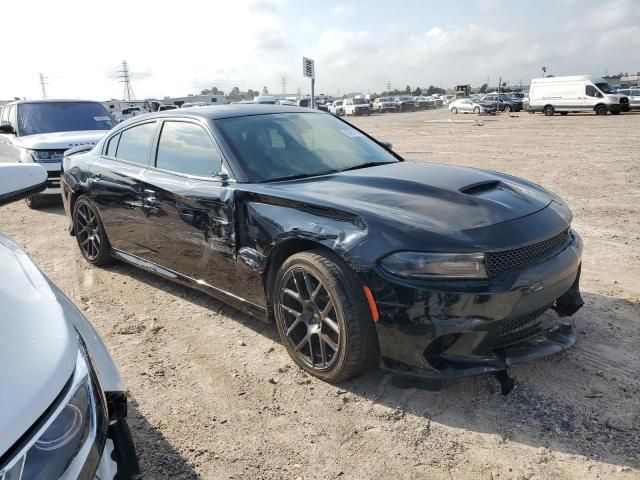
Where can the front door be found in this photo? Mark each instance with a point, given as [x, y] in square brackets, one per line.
[190, 210]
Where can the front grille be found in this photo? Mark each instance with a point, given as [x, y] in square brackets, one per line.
[499, 263]
[516, 329]
[624, 100]
[53, 174]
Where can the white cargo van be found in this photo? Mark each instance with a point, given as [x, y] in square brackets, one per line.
[580, 93]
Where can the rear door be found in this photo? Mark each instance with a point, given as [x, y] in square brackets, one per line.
[190, 209]
[116, 186]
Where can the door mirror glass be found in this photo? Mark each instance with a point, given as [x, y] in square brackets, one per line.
[21, 180]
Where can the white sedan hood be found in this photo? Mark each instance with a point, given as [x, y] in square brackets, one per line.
[60, 140]
[38, 348]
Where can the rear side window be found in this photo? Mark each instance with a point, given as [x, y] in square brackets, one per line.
[4, 115]
[112, 146]
[187, 148]
[135, 143]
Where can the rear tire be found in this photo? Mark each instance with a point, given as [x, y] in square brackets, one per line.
[323, 317]
[476, 110]
[507, 108]
[601, 110]
[549, 110]
[454, 110]
[90, 233]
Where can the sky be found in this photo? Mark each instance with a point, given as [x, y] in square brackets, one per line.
[178, 48]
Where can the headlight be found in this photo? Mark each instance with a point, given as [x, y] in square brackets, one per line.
[44, 156]
[435, 265]
[66, 435]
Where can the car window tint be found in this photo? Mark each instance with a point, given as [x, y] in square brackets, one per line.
[591, 91]
[113, 145]
[187, 148]
[135, 142]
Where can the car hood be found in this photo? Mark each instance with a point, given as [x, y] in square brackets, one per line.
[37, 346]
[439, 198]
[60, 140]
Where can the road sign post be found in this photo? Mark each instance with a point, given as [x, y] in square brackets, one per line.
[309, 70]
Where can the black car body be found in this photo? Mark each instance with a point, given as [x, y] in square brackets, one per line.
[406, 104]
[504, 102]
[228, 234]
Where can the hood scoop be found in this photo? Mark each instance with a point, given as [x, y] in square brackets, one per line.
[481, 187]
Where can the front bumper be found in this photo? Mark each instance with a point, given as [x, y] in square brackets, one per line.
[436, 332]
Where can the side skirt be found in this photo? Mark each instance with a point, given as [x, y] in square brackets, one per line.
[240, 303]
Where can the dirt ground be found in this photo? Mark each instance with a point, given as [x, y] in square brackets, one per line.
[214, 395]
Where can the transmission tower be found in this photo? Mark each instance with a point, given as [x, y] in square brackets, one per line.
[43, 86]
[284, 85]
[126, 79]
[388, 86]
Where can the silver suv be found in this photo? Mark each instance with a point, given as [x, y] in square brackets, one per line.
[41, 131]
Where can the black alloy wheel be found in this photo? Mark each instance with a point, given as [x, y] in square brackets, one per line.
[90, 235]
[323, 317]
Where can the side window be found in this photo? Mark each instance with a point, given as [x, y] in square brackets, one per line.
[4, 115]
[187, 148]
[112, 146]
[592, 92]
[135, 143]
[12, 116]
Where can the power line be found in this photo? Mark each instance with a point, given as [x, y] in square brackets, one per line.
[43, 86]
[126, 79]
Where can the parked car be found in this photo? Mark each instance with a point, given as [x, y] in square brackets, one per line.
[358, 256]
[356, 106]
[405, 104]
[504, 102]
[423, 103]
[289, 103]
[164, 108]
[131, 112]
[468, 105]
[41, 131]
[63, 404]
[580, 93]
[384, 104]
[193, 104]
[337, 108]
[633, 94]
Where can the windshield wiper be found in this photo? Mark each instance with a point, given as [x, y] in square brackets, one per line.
[364, 165]
[298, 176]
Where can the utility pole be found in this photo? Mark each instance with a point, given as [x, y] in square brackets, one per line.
[388, 87]
[43, 86]
[544, 71]
[284, 85]
[126, 79]
[298, 92]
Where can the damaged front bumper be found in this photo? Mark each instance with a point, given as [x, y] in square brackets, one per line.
[439, 332]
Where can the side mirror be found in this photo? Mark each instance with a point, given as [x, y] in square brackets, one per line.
[6, 128]
[21, 180]
[386, 144]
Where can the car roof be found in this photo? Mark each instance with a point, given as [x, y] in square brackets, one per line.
[59, 100]
[232, 110]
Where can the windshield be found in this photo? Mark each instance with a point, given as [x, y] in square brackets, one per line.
[404, 99]
[48, 117]
[283, 145]
[605, 87]
[359, 101]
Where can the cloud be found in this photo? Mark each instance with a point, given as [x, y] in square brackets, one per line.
[342, 10]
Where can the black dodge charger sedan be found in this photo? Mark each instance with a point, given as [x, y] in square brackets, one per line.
[360, 258]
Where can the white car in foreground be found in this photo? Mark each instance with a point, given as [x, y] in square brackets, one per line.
[40, 131]
[63, 404]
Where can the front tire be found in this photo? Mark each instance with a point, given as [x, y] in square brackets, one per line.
[454, 110]
[90, 234]
[601, 110]
[34, 202]
[476, 110]
[507, 108]
[549, 110]
[323, 318]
